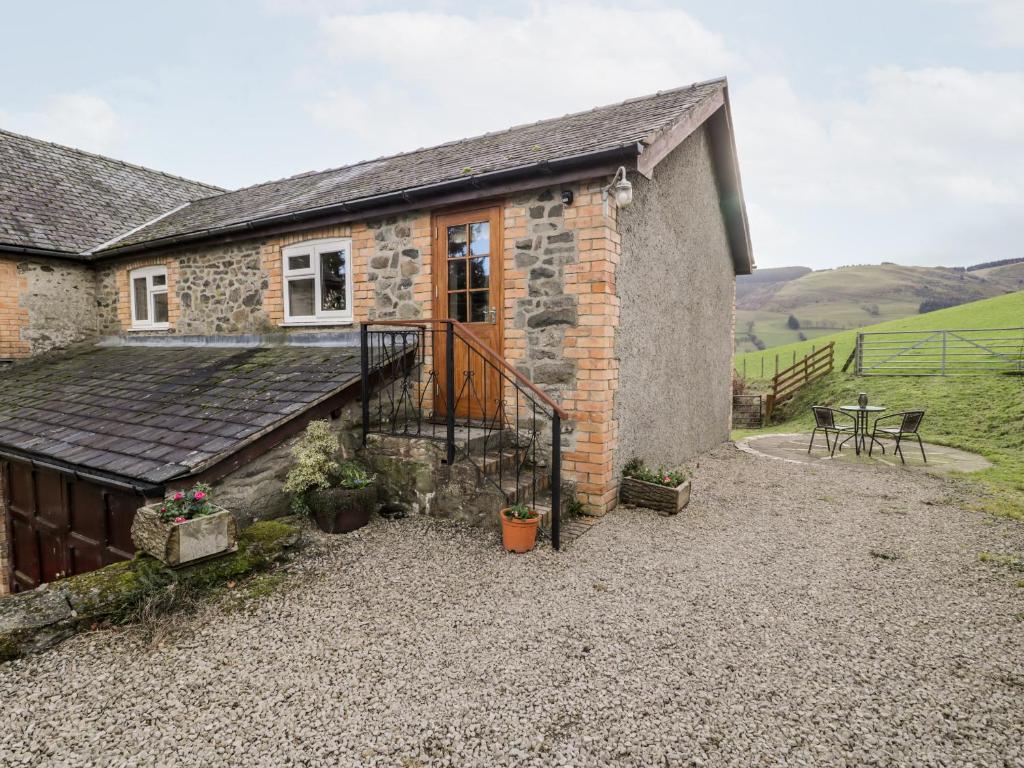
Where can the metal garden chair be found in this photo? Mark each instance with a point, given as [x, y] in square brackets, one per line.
[825, 421]
[909, 423]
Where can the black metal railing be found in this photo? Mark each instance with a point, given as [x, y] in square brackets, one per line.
[436, 379]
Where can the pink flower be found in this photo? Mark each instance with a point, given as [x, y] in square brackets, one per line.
[179, 496]
[667, 479]
[181, 519]
[200, 495]
[163, 509]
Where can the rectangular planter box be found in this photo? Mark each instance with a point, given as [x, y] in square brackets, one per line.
[661, 498]
[182, 543]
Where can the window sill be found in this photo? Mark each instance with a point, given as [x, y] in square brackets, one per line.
[143, 328]
[314, 323]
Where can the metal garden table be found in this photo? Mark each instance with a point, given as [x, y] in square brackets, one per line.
[860, 435]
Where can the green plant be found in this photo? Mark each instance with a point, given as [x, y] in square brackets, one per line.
[315, 460]
[352, 476]
[520, 512]
[670, 478]
[183, 506]
[317, 468]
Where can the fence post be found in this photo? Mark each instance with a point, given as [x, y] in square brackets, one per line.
[776, 363]
[943, 353]
[762, 366]
[364, 377]
[744, 369]
[858, 352]
[449, 378]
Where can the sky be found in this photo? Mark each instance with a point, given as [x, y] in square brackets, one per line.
[867, 131]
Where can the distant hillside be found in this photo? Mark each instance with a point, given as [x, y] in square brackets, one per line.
[999, 312]
[791, 304]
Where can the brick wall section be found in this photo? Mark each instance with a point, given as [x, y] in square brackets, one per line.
[561, 312]
[592, 344]
[13, 313]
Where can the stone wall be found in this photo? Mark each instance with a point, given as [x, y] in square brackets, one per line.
[254, 491]
[677, 287]
[45, 304]
[544, 311]
[398, 267]
[60, 297]
[220, 290]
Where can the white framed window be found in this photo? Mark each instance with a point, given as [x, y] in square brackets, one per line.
[148, 287]
[318, 282]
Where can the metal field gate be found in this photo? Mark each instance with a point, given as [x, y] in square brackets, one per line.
[964, 352]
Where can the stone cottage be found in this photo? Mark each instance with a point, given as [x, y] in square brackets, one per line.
[157, 329]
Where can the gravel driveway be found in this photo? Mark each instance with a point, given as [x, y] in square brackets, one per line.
[805, 615]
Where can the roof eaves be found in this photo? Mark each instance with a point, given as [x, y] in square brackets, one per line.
[30, 250]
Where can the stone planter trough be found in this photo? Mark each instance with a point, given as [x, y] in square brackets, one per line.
[181, 543]
[661, 498]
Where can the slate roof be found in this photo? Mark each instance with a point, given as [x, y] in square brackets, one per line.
[150, 414]
[56, 198]
[604, 128]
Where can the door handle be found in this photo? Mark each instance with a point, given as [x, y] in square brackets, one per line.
[494, 315]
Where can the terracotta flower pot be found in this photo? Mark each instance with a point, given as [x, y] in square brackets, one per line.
[341, 510]
[518, 535]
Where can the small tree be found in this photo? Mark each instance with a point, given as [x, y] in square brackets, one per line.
[793, 323]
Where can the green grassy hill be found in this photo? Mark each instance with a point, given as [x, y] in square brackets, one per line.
[849, 297]
[984, 415]
[1005, 311]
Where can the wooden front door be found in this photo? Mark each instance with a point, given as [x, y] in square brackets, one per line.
[467, 288]
[61, 526]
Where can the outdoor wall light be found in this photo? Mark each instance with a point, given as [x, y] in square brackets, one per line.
[620, 189]
[567, 197]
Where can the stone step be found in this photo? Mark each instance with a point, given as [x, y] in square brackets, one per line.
[526, 489]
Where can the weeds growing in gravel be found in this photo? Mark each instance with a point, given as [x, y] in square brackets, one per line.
[884, 554]
[1007, 561]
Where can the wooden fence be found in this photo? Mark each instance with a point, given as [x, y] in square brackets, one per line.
[787, 382]
[964, 352]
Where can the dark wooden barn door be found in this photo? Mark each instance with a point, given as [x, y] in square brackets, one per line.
[60, 526]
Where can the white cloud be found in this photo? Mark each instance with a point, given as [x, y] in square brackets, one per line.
[929, 136]
[439, 76]
[79, 119]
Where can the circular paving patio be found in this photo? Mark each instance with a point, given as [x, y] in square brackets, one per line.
[793, 447]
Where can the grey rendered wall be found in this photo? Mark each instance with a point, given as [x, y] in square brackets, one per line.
[677, 289]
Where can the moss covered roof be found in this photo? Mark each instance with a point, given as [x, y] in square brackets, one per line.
[151, 414]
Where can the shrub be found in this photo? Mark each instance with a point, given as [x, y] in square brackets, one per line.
[739, 384]
[670, 478]
[182, 506]
[317, 468]
[315, 459]
[792, 323]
